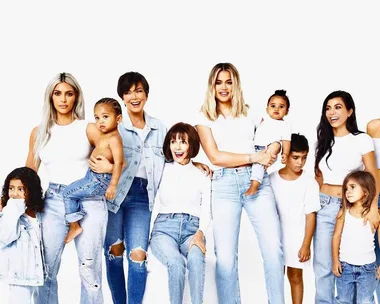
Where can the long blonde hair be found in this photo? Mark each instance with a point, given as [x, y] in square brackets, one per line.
[209, 108]
[49, 113]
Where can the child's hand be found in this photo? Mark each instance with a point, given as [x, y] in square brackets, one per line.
[337, 268]
[198, 240]
[111, 192]
[378, 273]
[284, 158]
[304, 254]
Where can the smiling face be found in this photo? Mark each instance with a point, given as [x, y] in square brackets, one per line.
[16, 189]
[135, 98]
[354, 192]
[223, 87]
[105, 118]
[179, 148]
[277, 108]
[337, 113]
[64, 98]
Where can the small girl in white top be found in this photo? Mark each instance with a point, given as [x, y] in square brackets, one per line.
[353, 254]
[297, 200]
[21, 249]
[184, 214]
[272, 128]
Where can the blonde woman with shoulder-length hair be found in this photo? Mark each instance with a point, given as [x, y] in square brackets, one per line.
[62, 143]
[226, 129]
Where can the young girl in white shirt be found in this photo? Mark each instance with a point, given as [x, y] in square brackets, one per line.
[184, 214]
[21, 250]
[353, 254]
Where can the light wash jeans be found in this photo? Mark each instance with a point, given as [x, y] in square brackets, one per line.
[170, 241]
[228, 200]
[258, 170]
[131, 225]
[357, 284]
[92, 185]
[322, 263]
[88, 245]
[19, 294]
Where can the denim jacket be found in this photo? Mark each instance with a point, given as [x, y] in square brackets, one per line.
[21, 249]
[132, 147]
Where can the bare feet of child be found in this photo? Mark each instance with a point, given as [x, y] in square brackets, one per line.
[74, 231]
[253, 188]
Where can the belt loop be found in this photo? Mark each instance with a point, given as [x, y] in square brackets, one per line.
[190, 217]
[172, 215]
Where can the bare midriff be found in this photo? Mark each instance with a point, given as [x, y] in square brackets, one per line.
[332, 190]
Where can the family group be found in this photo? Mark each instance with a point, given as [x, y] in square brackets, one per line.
[105, 176]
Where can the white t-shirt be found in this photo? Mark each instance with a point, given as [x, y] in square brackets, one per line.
[35, 224]
[376, 143]
[271, 130]
[294, 199]
[66, 154]
[347, 156]
[357, 245]
[185, 189]
[141, 170]
[233, 135]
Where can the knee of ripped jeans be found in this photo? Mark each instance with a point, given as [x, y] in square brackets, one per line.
[138, 255]
[89, 274]
[116, 250]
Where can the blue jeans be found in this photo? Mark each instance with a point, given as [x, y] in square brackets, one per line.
[228, 200]
[88, 245]
[170, 241]
[258, 170]
[93, 184]
[131, 225]
[377, 252]
[322, 263]
[357, 284]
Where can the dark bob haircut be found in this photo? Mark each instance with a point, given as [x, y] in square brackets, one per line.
[33, 190]
[182, 129]
[127, 80]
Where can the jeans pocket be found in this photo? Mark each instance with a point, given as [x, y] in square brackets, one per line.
[370, 267]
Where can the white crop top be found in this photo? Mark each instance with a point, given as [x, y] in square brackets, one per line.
[376, 143]
[233, 135]
[347, 156]
[65, 155]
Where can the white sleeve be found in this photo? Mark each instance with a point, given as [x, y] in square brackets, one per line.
[311, 200]
[200, 119]
[286, 131]
[205, 220]
[366, 143]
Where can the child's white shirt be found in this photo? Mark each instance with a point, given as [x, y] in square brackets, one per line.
[294, 199]
[271, 130]
[357, 245]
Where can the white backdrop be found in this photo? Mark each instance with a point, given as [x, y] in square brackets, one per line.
[307, 49]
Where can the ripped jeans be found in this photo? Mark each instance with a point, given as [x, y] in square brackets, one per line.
[131, 226]
[88, 245]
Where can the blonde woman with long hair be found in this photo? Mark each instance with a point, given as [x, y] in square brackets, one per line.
[62, 143]
[226, 129]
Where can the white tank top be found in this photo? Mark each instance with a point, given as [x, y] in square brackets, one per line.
[357, 245]
[376, 143]
[66, 154]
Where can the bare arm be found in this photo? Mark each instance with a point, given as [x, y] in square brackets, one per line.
[92, 133]
[116, 147]
[227, 159]
[373, 215]
[285, 150]
[30, 158]
[304, 253]
[337, 236]
[319, 178]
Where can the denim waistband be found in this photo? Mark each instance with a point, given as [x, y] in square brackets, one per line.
[258, 147]
[239, 170]
[179, 215]
[327, 199]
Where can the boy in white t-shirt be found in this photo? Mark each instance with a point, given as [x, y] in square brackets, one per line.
[272, 128]
[297, 200]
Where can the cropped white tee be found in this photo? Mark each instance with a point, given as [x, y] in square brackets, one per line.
[66, 154]
[347, 156]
